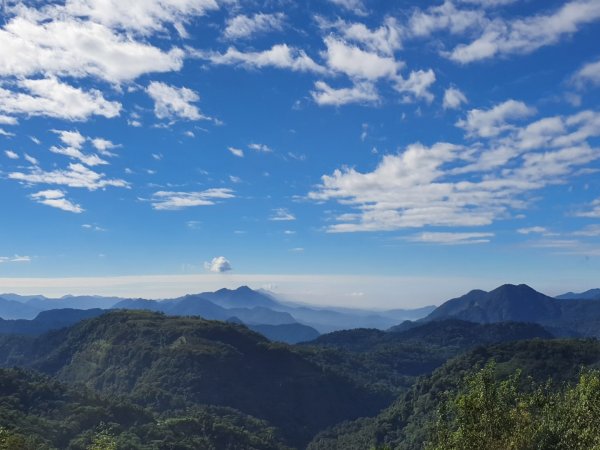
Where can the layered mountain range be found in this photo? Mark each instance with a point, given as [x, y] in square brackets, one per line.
[150, 375]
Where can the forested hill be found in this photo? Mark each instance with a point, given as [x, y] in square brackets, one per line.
[169, 363]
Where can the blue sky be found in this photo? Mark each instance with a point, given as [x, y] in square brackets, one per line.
[431, 143]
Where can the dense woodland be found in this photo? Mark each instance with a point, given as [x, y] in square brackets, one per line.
[147, 380]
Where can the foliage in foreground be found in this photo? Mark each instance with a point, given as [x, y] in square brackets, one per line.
[518, 414]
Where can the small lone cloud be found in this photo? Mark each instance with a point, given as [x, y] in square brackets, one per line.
[219, 264]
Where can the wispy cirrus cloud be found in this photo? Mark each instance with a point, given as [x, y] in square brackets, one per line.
[172, 201]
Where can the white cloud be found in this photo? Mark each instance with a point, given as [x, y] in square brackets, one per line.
[358, 63]
[171, 201]
[491, 122]
[453, 98]
[71, 138]
[279, 56]
[75, 153]
[452, 238]
[444, 17]
[76, 175]
[3, 132]
[15, 258]
[218, 264]
[56, 199]
[355, 6]
[489, 3]
[533, 230]
[589, 231]
[521, 36]
[142, 16]
[263, 148]
[10, 154]
[104, 146]
[593, 210]
[7, 120]
[384, 40]
[282, 214]
[236, 152]
[31, 159]
[171, 102]
[419, 186]
[33, 43]
[92, 227]
[589, 74]
[242, 26]
[362, 92]
[52, 98]
[417, 85]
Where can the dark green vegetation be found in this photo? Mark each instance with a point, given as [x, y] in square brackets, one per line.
[39, 413]
[410, 422]
[170, 363]
[148, 380]
[391, 361]
[515, 414]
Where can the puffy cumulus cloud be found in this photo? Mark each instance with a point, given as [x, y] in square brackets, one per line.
[219, 264]
[462, 185]
[521, 36]
[76, 175]
[384, 40]
[243, 26]
[171, 201]
[358, 63]
[417, 85]
[449, 238]
[71, 138]
[588, 75]
[361, 92]
[53, 98]
[282, 215]
[444, 17]
[141, 16]
[56, 199]
[453, 98]
[171, 102]
[280, 56]
[104, 146]
[32, 44]
[491, 122]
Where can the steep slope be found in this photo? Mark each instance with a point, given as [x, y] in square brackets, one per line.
[523, 304]
[390, 361]
[408, 422]
[172, 362]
